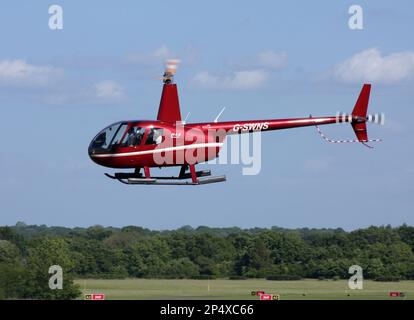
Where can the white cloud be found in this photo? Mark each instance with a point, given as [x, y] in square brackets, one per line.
[153, 57]
[272, 60]
[109, 90]
[162, 52]
[156, 58]
[370, 65]
[20, 73]
[269, 60]
[238, 80]
[251, 73]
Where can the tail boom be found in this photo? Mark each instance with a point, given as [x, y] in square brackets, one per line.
[247, 126]
[357, 119]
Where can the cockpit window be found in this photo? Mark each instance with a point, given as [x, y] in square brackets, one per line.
[109, 136]
[119, 134]
[133, 136]
[154, 136]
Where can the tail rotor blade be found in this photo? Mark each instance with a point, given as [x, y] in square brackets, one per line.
[382, 121]
[378, 118]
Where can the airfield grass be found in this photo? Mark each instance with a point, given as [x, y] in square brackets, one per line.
[223, 289]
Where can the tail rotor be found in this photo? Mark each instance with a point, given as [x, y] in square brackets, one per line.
[378, 118]
[358, 119]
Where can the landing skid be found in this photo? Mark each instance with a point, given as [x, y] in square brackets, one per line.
[172, 182]
[203, 177]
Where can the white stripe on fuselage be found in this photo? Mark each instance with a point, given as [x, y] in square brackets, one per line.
[137, 153]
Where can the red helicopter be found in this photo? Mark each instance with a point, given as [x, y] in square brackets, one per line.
[169, 141]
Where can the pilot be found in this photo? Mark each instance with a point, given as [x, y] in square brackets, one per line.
[132, 138]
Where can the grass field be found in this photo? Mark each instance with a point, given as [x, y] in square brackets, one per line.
[241, 289]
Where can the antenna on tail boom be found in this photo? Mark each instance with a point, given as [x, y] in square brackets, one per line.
[218, 116]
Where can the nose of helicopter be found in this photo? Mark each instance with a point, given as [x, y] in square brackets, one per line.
[92, 153]
[95, 148]
[97, 155]
[99, 151]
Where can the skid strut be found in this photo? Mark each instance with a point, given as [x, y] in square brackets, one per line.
[197, 177]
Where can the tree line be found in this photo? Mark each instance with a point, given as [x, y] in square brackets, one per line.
[27, 251]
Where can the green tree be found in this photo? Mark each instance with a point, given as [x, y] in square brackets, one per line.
[11, 271]
[9, 253]
[98, 232]
[148, 258]
[206, 265]
[407, 235]
[7, 233]
[181, 268]
[12, 281]
[44, 254]
[256, 261]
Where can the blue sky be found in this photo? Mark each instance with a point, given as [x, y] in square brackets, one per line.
[262, 59]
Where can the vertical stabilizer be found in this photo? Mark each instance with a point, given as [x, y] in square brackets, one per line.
[169, 110]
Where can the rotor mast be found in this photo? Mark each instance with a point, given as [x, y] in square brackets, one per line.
[170, 70]
[169, 109]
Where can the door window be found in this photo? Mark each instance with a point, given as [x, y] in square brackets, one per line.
[154, 136]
